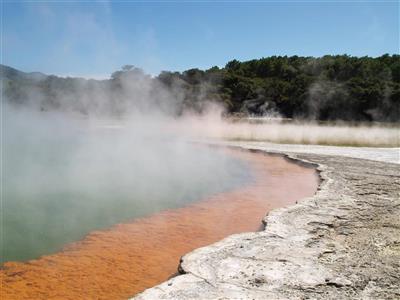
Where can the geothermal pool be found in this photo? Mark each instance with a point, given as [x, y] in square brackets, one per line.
[125, 259]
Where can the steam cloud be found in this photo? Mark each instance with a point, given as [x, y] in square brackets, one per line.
[92, 143]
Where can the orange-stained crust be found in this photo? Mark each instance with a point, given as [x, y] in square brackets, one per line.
[128, 258]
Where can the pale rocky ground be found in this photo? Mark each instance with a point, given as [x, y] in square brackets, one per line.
[372, 153]
[342, 243]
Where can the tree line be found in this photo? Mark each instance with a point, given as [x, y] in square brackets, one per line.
[339, 87]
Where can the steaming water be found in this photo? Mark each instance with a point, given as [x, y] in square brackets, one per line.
[62, 181]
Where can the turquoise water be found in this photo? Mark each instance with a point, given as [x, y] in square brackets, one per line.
[60, 184]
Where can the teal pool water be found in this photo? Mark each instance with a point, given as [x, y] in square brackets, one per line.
[59, 184]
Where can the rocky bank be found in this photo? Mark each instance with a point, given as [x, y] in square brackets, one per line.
[342, 243]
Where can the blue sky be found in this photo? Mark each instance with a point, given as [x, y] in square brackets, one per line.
[93, 39]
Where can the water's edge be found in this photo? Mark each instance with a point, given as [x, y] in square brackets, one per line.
[335, 244]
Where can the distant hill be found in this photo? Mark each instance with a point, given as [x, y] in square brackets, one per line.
[337, 87]
[14, 74]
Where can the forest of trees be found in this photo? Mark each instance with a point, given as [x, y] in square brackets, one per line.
[338, 87]
[326, 88]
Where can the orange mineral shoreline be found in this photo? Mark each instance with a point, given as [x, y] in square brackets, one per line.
[128, 258]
